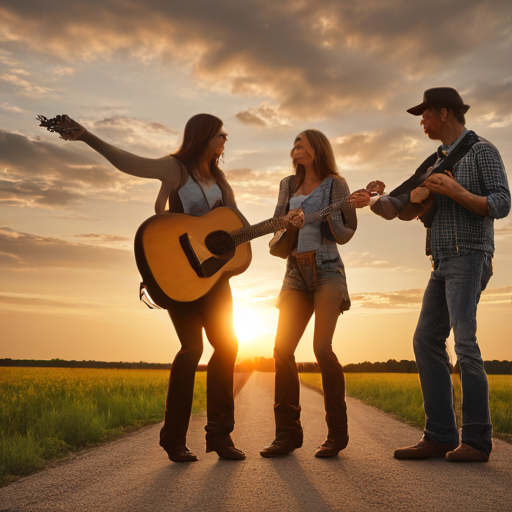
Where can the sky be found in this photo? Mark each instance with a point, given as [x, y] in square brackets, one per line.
[133, 73]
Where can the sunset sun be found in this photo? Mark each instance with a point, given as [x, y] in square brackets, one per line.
[249, 324]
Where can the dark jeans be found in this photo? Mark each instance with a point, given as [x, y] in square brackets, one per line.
[214, 313]
[296, 310]
[450, 301]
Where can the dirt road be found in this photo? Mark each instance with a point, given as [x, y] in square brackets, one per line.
[133, 473]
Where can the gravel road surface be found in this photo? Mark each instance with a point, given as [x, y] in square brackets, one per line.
[133, 474]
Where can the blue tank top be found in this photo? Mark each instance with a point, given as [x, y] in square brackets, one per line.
[198, 201]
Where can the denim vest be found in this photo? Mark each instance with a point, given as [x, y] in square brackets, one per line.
[327, 255]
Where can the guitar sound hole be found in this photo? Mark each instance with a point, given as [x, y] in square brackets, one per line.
[219, 242]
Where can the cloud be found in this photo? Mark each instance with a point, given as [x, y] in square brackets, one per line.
[492, 102]
[398, 299]
[129, 123]
[11, 108]
[24, 251]
[65, 71]
[36, 157]
[263, 116]
[104, 238]
[395, 146]
[502, 232]
[367, 259]
[253, 296]
[38, 173]
[311, 58]
[37, 302]
[413, 298]
[43, 193]
[7, 59]
[252, 186]
[388, 300]
[143, 137]
[23, 86]
[497, 295]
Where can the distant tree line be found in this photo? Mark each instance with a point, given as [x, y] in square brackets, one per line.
[391, 366]
[262, 364]
[62, 363]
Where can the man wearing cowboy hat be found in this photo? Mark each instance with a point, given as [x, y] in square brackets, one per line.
[458, 192]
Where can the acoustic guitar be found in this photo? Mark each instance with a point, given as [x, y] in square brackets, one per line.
[181, 257]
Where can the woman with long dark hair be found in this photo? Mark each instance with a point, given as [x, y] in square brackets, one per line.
[192, 183]
[314, 283]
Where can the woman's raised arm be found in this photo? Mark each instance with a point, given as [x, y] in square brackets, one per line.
[165, 168]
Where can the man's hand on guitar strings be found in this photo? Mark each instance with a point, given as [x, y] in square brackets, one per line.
[443, 184]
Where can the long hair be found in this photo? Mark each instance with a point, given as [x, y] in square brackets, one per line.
[324, 162]
[199, 130]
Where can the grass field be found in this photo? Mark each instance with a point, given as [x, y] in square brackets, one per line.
[47, 412]
[400, 395]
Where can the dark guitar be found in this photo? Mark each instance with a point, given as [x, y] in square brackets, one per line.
[182, 256]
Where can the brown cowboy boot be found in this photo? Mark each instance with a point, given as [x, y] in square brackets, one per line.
[289, 435]
[334, 443]
[223, 445]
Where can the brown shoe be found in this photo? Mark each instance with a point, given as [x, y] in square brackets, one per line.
[425, 449]
[223, 445]
[332, 446]
[465, 453]
[283, 444]
[180, 453]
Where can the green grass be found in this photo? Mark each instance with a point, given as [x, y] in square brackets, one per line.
[48, 412]
[500, 391]
[400, 395]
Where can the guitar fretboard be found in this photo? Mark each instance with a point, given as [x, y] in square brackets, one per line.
[245, 234]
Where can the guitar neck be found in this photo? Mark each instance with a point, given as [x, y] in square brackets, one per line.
[245, 234]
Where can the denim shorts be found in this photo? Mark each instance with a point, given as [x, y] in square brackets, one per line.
[307, 280]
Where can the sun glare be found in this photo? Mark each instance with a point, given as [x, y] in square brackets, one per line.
[249, 323]
[255, 326]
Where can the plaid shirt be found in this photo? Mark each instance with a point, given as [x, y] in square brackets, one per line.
[456, 230]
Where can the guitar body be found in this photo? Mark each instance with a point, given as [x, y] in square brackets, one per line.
[417, 210]
[174, 260]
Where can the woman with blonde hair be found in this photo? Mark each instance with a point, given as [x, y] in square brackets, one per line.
[314, 282]
[192, 183]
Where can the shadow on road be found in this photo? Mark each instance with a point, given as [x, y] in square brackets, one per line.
[298, 483]
[169, 485]
[216, 486]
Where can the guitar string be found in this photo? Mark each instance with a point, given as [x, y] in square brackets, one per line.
[244, 234]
